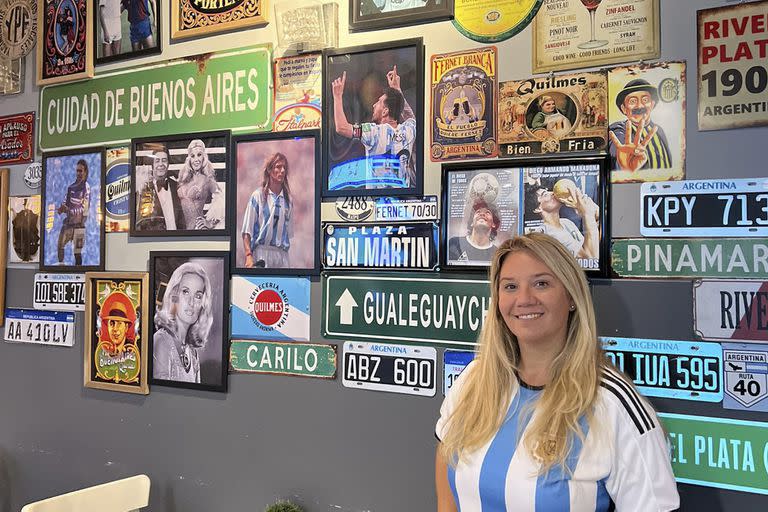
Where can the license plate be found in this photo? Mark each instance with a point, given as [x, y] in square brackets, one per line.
[40, 327]
[394, 209]
[392, 368]
[454, 362]
[722, 208]
[670, 369]
[59, 292]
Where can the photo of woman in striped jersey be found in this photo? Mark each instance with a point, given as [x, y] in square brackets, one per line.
[541, 421]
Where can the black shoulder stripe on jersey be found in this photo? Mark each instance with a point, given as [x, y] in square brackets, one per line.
[610, 387]
[633, 397]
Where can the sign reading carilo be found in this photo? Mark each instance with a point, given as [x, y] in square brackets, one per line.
[215, 91]
[301, 359]
[719, 452]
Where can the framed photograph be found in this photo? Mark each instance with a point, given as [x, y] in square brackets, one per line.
[116, 331]
[190, 319]
[126, 29]
[180, 184]
[193, 19]
[64, 49]
[276, 212]
[384, 14]
[24, 229]
[73, 205]
[373, 127]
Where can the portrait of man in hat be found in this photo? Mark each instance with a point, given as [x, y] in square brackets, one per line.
[638, 143]
[117, 318]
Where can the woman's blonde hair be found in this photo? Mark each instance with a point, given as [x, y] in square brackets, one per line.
[574, 376]
[187, 173]
[165, 316]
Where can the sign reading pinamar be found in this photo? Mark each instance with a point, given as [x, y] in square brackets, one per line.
[216, 91]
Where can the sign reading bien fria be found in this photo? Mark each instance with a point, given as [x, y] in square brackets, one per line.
[212, 91]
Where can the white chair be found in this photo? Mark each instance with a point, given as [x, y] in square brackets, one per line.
[126, 495]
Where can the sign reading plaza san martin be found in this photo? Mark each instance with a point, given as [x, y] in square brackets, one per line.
[213, 91]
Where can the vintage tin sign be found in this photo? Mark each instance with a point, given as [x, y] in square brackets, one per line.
[194, 18]
[553, 114]
[646, 112]
[18, 28]
[454, 362]
[165, 98]
[385, 209]
[65, 41]
[33, 175]
[17, 138]
[732, 71]
[569, 34]
[59, 292]
[24, 229]
[669, 368]
[490, 21]
[299, 359]
[729, 309]
[725, 453]
[393, 368]
[463, 104]
[270, 308]
[741, 258]
[435, 309]
[693, 208]
[117, 190]
[55, 328]
[411, 246]
[746, 376]
[298, 93]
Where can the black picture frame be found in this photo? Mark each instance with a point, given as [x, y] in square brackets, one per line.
[361, 65]
[55, 162]
[256, 149]
[365, 15]
[157, 35]
[151, 222]
[214, 368]
[533, 176]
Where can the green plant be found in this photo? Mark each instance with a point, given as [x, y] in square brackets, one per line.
[284, 506]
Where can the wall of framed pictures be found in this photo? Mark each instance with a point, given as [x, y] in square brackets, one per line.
[327, 445]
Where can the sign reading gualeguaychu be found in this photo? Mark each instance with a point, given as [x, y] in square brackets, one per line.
[212, 91]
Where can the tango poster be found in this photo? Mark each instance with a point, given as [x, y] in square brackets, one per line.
[463, 105]
[646, 112]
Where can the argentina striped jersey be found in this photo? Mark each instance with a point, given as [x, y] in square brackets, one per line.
[267, 219]
[659, 155]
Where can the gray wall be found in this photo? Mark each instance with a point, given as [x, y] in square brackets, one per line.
[329, 448]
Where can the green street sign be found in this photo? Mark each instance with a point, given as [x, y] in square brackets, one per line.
[213, 91]
[719, 452]
[435, 310]
[301, 359]
[691, 258]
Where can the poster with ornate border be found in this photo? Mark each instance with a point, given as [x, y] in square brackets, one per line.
[64, 47]
[18, 28]
[192, 18]
[491, 21]
[17, 138]
[553, 114]
[732, 70]
[116, 331]
[570, 34]
[298, 92]
[463, 104]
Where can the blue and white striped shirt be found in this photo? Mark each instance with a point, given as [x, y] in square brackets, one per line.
[268, 222]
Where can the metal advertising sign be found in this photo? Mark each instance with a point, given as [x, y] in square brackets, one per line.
[270, 308]
[412, 246]
[454, 362]
[17, 138]
[385, 209]
[719, 452]
[214, 91]
[557, 114]
[746, 376]
[33, 174]
[55, 328]
[393, 368]
[438, 309]
[117, 190]
[729, 309]
[570, 34]
[490, 21]
[298, 93]
[670, 369]
[463, 104]
[693, 208]
[59, 292]
[742, 258]
[18, 28]
[299, 359]
[732, 70]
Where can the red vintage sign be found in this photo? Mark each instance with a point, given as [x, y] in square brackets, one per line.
[17, 138]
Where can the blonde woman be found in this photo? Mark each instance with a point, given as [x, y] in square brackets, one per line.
[541, 421]
[197, 188]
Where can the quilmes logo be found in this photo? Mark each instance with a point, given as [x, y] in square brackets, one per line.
[269, 307]
[118, 189]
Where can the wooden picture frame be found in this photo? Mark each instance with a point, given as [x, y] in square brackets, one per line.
[5, 184]
[150, 44]
[116, 360]
[295, 247]
[189, 21]
[64, 40]
[364, 15]
[197, 285]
